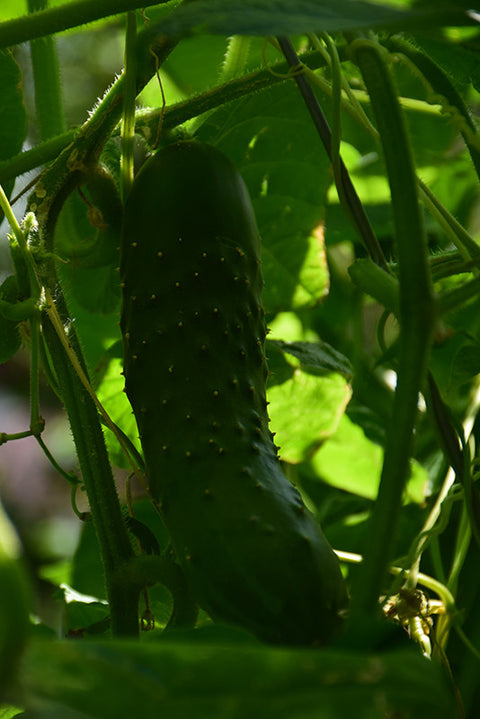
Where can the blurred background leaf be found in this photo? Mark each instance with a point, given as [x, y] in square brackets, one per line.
[205, 680]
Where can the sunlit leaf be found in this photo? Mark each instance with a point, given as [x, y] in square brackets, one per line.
[307, 397]
[271, 139]
[352, 462]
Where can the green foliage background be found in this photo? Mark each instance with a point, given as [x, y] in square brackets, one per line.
[332, 354]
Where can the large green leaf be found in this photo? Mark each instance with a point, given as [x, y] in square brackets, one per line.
[247, 17]
[90, 257]
[12, 112]
[10, 337]
[89, 276]
[282, 17]
[12, 8]
[352, 462]
[182, 679]
[459, 61]
[111, 393]
[308, 393]
[271, 139]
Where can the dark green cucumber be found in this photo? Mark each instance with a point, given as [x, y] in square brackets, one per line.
[194, 333]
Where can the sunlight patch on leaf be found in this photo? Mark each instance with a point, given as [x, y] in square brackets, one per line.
[352, 462]
[307, 396]
[270, 138]
[115, 401]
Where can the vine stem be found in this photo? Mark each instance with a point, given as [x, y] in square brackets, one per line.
[46, 74]
[92, 455]
[174, 115]
[351, 202]
[128, 110]
[425, 580]
[113, 539]
[417, 316]
[84, 380]
[64, 352]
[57, 19]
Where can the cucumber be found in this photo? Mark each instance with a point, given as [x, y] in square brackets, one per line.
[195, 370]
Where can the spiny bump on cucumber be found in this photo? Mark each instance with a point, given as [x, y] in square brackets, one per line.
[252, 553]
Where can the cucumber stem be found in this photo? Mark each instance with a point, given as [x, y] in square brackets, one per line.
[97, 475]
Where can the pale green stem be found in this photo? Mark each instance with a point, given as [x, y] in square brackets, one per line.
[128, 113]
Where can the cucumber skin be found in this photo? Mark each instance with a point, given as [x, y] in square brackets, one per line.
[195, 370]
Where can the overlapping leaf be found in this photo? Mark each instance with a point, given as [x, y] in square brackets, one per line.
[308, 393]
[221, 680]
[271, 139]
[281, 17]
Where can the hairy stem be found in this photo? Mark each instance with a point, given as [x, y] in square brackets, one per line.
[173, 116]
[57, 182]
[99, 484]
[51, 20]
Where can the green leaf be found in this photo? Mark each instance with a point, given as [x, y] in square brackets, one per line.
[90, 255]
[179, 679]
[9, 711]
[87, 571]
[10, 338]
[192, 77]
[281, 17]
[85, 617]
[459, 61]
[271, 139]
[466, 364]
[56, 572]
[352, 462]
[307, 396]
[317, 355]
[112, 396]
[12, 112]
[12, 8]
